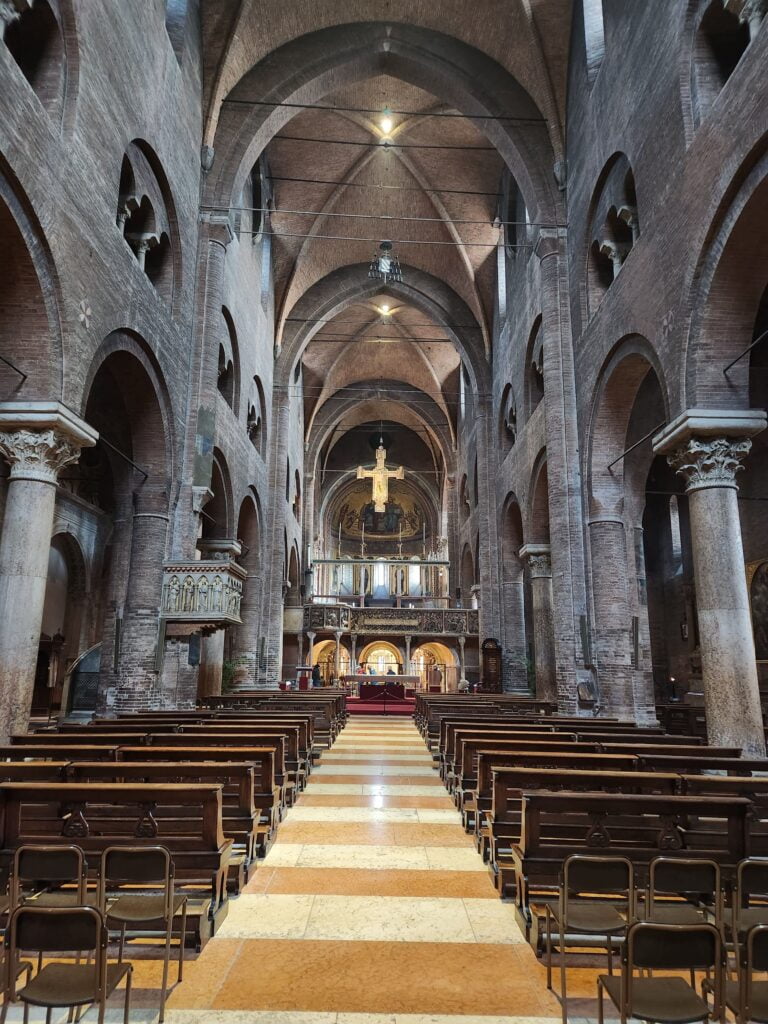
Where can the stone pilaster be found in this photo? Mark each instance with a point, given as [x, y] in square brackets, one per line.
[539, 559]
[38, 441]
[707, 449]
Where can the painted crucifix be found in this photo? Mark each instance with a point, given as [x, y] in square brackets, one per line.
[380, 476]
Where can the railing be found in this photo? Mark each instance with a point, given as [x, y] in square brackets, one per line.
[204, 592]
[416, 621]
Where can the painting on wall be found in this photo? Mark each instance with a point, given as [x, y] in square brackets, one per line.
[757, 578]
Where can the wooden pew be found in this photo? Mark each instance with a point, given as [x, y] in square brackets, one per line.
[639, 827]
[240, 816]
[266, 791]
[187, 819]
[505, 818]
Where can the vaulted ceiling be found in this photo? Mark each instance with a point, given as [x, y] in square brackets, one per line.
[343, 179]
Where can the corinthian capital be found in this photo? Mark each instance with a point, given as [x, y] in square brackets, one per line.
[38, 454]
[539, 558]
[709, 461]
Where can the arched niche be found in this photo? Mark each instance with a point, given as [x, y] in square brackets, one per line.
[614, 227]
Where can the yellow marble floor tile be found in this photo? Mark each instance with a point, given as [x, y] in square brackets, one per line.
[388, 919]
[367, 977]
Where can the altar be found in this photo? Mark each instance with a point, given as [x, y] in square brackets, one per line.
[393, 686]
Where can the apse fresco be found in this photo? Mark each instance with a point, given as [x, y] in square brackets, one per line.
[355, 510]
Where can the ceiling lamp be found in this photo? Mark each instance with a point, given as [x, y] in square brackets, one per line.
[385, 266]
[386, 124]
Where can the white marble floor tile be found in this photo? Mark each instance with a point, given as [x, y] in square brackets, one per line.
[250, 1017]
[267, 916]
[382, 789]
[436, 816]
[412, 858]
[493, 921]
[373, 768]
[371, 758]
[453, 858]
[283, 855]
[388, 919]
[334, 788]
[355, 814]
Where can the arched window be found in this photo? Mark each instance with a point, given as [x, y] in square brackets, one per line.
[507, 420]
[614, 227]
[534, 366]
[145, 216]
[594, 37]
[255, 424]
[249, 217]
[722, 36]
[225, 379]
[35, 41]
[176, 25]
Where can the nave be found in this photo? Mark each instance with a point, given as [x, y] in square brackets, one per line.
[372, 907]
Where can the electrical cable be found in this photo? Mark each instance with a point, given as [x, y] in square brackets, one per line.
[385, 319]
[384, 144]
[391, 188]
[387, 111]
[374, 216]
[395, 241]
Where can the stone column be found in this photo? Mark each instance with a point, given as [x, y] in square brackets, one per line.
[337, 656]
[613, 620]
[211, 664]
[515, 676]
[137, 686]
[462, 641]
[311, 649]
[707, 447]
[407, 665]
[38, 441]
[539, 561]
[353, 659]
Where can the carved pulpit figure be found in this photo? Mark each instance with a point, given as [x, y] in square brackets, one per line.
[380, 476]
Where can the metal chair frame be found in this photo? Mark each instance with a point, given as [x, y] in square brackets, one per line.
[714, 984]
[170, 910]
[16, 969]
[561, 916]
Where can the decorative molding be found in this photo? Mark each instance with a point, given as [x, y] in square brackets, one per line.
[702, 423]
[387, 621]
[711, 462]
[539, 558]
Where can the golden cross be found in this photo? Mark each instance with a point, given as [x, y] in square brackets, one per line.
[380, 476]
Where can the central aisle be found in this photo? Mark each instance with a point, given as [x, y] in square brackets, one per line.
[372, 907]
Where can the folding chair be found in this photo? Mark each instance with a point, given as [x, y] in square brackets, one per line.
[148, 866]
[579, 914]
[666, 1000]
[57, 931]
[751, 884]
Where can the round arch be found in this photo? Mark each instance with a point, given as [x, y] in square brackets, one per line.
[618, 386]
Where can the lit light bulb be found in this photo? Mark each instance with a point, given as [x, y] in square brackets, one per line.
[387, 124]
[385, 310]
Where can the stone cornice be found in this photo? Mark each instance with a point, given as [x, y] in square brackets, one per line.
[708, 423]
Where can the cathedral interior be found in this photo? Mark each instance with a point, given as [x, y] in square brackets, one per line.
[346, 340]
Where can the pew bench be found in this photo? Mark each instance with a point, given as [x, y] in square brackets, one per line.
[637, 826]
[187, 819]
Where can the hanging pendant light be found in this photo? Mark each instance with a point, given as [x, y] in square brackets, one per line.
[385, 266]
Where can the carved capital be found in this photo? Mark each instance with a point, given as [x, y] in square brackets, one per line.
[539, 559]
[710, 461]
[8, 14]
[38, 454]
[749, 12]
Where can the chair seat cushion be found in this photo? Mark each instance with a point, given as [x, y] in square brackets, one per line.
[676, 913]
[596, 918]
[141, 907]
[666, 1000]
[69, 984]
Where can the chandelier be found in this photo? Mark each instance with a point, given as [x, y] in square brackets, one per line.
[385, 266]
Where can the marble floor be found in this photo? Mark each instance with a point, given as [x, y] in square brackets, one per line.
[372, 907]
